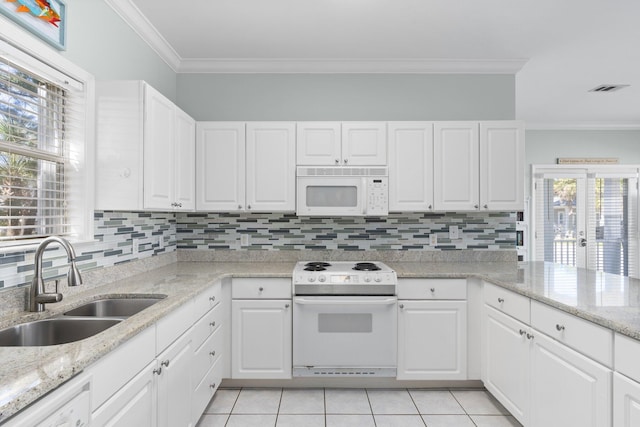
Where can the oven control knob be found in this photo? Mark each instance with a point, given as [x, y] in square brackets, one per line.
[378, 279]
[367, 279]
[312, 279]
[321, 278]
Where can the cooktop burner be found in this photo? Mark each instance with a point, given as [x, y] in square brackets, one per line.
[366, 266]
[316, 266]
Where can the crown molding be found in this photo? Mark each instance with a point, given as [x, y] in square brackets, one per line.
[582, 125]
[334, 65]
[130, 13]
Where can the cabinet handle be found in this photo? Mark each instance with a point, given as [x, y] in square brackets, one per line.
[337, 161]
[522, 332]
[286, 306]
[179, 205]
[165, 363]
[430, 207]
[260, 289]
[401, 306]
[212, 298]
[486, 206]
[530, 336]
[345, 161]
[212, 324]
[158, 371]
[476, 206]
[248, 206]
[212, 353]
[239, 206]
[500, 300]
[432, 290]
[559, 327]
[173, 204]
[212, 385]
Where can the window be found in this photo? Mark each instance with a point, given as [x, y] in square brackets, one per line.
[43, 148]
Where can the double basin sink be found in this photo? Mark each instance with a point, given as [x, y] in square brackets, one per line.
[77, 324]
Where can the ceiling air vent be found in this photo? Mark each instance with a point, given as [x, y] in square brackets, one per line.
[608, 88]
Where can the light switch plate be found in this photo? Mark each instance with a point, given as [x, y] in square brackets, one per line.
[244, 240]
[454, 232]
[433, 239]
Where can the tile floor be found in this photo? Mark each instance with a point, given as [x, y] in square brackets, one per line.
[262, 407]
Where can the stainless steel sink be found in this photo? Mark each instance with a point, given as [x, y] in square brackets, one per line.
[114, 307]
[54, 331]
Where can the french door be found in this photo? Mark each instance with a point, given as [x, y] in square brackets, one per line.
[587, 217]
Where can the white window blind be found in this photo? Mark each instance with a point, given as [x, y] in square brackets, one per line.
[38, 119]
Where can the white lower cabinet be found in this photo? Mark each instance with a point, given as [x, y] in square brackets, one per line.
[174, 383]
[135, 404]
[506, 362]
[626, 401]
[262, 338]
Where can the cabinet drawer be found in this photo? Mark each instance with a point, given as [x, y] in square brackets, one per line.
[207, 300]
[206, 325]
[206, 355]
[590, 339]
[627, 355]
[453, 289]
[173, 325]
[205, 390]
[508, 302]
[268, 288]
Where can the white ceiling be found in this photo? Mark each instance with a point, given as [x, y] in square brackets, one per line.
[559, 49]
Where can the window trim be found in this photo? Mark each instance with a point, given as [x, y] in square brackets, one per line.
[23, 48]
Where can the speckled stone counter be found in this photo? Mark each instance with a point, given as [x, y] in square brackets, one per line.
[28, 373]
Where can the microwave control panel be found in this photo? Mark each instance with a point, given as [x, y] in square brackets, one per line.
[377, 196]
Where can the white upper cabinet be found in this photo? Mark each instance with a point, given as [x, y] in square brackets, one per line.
[455, 167]
[246, 167]
[145, 149]
[502, 165]
[410, 166]
[271, 171]
[346, 143]
[220, 166]
[479, 166]
[318, 143]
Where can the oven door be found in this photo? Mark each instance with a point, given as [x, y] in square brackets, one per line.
[345, 335]
[330, 196]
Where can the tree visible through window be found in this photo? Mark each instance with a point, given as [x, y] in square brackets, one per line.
[32, 162]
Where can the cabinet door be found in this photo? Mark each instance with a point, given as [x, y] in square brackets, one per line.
[159, 162]
[411, 166]
[261, 339]
[506, 360]
[271, 167]
[432, 340]
[568, 389]
[364, 143]
[185, 161]
[502, 166]
[626, 402]
[174, 384]
[220, 166]
[456, 166]
[133, 405]
[318, 143]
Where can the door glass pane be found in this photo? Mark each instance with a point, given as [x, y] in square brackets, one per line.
[559, 201]
[332, 196]
[611, 222]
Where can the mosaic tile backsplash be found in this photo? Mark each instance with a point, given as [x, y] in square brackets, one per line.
[115, 232]
[405, 231]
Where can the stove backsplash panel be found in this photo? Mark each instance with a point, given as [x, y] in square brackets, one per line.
[402, 231]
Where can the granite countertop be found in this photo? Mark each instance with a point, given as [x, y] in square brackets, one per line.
[27, 373]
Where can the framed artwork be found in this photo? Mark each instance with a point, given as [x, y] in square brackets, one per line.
[46, 19]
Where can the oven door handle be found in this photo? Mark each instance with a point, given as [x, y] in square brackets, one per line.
[306, 301]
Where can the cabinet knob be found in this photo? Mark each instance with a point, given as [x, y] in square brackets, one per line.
[486, 206]
[530, 336]
[165, 363]
[173, 204]
[212, 324]
[432, 290]
[239, 206]
[286, 306]
[345, 161]
[500, 300]
[179, 205]
[337, 161]
[260, 289]
[212, 385]
[430, 207]
[212, 353]
[522, 332]
[158, 371]
[401, 306]
[476, 206]
[559, 327]
[212, 299]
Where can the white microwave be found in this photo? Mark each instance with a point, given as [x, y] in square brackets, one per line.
[342, 191]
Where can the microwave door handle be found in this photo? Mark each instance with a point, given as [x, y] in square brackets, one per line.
[364, 195]
[305, 301]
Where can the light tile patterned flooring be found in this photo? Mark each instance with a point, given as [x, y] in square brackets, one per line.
[269, 407]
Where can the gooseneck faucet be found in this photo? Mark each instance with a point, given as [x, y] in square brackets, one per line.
[37, 295]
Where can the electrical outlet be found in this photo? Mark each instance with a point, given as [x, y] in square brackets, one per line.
[454, 232]
[160, 242]
[135, 246]
[433, 239]
[245, 240]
